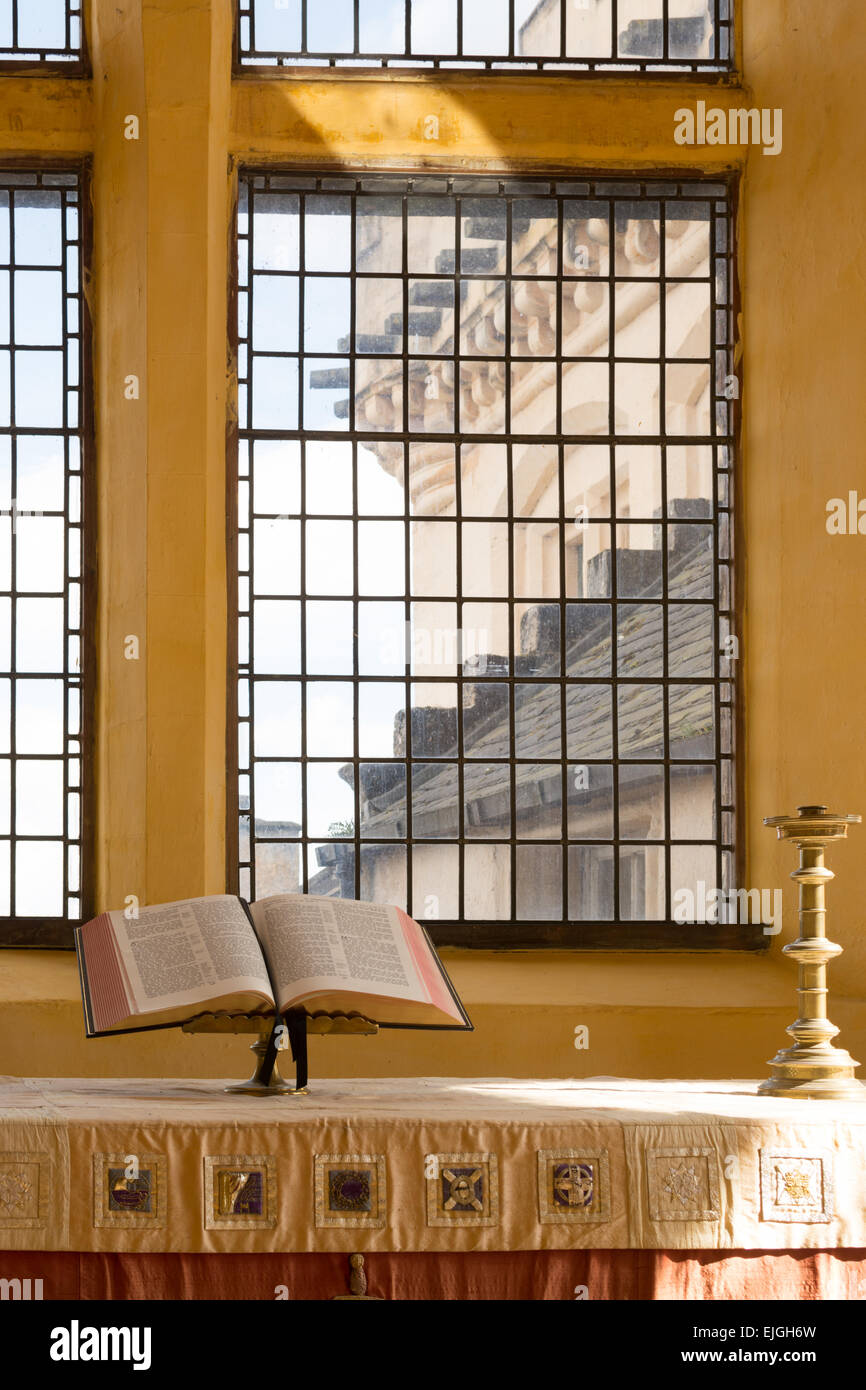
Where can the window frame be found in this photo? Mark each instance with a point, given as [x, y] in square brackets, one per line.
[702, 72]
[79, 66]
[57, 933]
[512, 934]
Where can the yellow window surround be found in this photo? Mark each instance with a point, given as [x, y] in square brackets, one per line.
[158, 287]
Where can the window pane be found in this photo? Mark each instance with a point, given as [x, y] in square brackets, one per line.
[42, 26]
[38, 887]
[539, 883]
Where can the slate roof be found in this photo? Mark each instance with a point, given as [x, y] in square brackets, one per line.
[538, 718]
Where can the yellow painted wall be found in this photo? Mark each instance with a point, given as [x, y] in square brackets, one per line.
[158, 291]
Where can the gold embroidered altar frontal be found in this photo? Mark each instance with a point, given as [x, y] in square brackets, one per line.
[426, 1164]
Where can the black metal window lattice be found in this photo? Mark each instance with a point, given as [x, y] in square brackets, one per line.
[35, 32]
[42, 435]
[494, 35]
[485, 634]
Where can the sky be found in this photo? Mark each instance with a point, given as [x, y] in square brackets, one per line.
[276, 468]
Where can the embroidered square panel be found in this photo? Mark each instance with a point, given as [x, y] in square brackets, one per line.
[462, 1189]
[796, 1185]
[129, 1190]
[24, 1186]
[682, 1184]
[573, 1185]
[240, 1191]
[350, 1190]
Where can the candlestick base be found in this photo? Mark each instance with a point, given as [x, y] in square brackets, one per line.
[829, 1076]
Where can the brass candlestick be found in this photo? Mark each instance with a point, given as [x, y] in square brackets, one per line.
[813, 1068]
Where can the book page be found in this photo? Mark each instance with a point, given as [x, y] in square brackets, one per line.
[187, 953]
[325, 944]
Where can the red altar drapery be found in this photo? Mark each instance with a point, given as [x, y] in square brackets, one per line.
[543, 1275]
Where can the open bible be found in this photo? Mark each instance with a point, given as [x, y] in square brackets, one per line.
[284, 954]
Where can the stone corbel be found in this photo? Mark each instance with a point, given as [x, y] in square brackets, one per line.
[641, 243]
[588, 295]
[487, 338]
[379, 410]
[541, 338]
[483, 391]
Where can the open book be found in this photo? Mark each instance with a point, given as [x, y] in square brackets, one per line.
[219, 954]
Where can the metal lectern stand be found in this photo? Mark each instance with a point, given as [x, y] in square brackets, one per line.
[294, 1027]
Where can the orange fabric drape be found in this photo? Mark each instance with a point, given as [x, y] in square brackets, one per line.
[524, 1275]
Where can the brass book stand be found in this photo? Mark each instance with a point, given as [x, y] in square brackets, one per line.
[272, 1034]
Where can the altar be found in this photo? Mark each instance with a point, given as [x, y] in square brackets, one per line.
[639, 1188]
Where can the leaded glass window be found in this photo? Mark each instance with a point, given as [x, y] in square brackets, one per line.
[484, 564]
